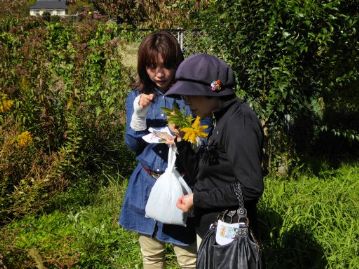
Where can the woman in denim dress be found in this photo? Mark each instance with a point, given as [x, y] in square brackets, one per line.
[158, 57]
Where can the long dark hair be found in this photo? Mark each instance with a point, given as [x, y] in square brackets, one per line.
[163, 43]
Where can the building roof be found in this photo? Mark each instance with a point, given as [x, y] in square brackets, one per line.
[49, 4]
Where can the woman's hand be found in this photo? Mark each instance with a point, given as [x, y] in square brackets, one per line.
[176, 132]
[185, 202]
[146, 99]
[140, 109]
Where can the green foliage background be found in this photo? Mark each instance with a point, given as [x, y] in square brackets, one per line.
[68, 85]
[296, 64]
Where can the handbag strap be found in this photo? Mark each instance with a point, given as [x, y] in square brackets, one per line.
[242, 212]
[239, 194]
[239, 215]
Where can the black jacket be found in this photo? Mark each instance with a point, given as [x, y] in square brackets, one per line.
[233, 153]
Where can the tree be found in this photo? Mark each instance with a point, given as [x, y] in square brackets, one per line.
[149, 13]
[297, 64]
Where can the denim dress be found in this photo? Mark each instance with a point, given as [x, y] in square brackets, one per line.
[153, 157]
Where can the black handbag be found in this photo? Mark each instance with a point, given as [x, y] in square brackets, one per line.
[242, 253]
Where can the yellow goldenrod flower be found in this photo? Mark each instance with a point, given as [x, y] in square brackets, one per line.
[196, 130]
[191, 129]
[24, 139]
[177, 117]
[5, 105]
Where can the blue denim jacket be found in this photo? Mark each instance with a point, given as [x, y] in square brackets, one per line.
[153, 157]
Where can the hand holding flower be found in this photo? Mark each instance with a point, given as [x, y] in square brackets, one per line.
[184, 126]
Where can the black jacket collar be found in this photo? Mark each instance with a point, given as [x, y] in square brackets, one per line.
[225, 105]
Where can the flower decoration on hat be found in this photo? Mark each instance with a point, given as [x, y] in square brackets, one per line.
[216, 85]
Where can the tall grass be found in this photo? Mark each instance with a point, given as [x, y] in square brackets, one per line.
[310, 222]
[79, 230]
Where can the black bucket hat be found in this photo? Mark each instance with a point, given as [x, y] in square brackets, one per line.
[203, 75]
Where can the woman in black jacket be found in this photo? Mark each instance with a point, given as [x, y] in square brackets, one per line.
[233, 151]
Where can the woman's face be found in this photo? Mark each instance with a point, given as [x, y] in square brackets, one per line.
[201, 106]
[161, 75]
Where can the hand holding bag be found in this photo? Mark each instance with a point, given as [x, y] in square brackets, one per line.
[243, 252]
[161, 204]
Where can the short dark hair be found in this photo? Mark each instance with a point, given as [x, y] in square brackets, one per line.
[161, 42]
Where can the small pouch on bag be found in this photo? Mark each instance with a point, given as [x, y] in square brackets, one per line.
[161, 204]
[229, 224]
[225, 232]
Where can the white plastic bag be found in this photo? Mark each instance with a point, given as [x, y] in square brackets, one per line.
[161, 204]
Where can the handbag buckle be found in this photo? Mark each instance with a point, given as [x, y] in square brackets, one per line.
[231, 216]
[242, 212]
[242, 217]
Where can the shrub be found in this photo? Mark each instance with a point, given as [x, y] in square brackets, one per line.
[63, 86]
[150, 14]
[296, 64]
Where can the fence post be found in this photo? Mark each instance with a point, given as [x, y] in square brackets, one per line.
[180, 38]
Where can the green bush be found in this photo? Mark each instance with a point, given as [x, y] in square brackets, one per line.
[160, 14]
[296, 64]
[62, 108]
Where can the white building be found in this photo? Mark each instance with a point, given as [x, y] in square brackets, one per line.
[53, 7]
